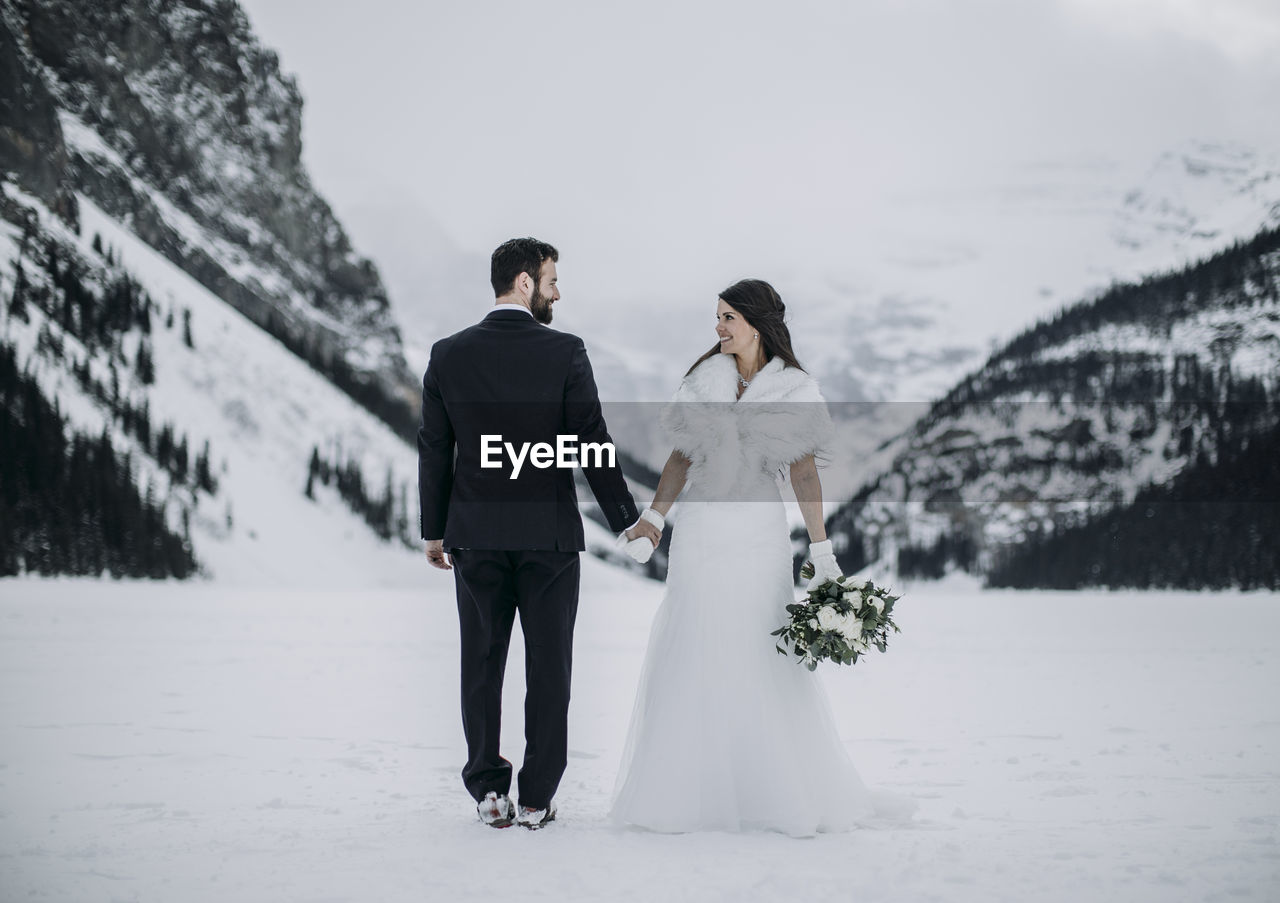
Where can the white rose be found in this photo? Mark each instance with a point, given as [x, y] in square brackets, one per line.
[828, 618]
[851, 627]
[855, 582]
[854, 598]
[813, 623]
[877, 603]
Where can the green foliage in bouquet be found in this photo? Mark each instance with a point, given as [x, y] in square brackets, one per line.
[839, 621]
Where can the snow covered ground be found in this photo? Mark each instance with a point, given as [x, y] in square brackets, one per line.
[211, 742]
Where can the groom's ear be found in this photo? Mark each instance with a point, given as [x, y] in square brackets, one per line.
[524, 282]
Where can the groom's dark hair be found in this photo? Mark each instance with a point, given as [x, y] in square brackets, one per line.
[519, 255]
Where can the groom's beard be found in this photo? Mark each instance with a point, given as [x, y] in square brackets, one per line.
[540, 307]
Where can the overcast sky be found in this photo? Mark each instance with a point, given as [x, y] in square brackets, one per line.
[671, 147]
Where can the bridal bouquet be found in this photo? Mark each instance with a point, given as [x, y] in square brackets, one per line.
[840, 620]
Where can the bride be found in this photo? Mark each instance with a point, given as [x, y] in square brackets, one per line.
[726, 733]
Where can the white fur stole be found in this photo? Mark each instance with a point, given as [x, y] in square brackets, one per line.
[781, 418]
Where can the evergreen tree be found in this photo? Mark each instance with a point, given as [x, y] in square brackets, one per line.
[144, 315]
[204, 474]
[68, 311]
[313, 470]
[145, 365]
[18, 300]
[164, 447]
[381, 513]
[181, 462]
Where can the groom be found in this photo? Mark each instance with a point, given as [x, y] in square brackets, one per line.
[506, 521]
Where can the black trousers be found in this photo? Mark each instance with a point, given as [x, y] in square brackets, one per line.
[543, 587]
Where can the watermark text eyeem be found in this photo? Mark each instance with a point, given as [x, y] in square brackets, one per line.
[568, 452]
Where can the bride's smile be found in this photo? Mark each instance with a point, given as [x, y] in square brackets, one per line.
[733, 330]
[739, 338]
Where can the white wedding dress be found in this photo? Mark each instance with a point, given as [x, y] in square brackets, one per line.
[726, 733]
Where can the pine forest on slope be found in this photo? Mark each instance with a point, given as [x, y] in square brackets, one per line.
[1077, 415]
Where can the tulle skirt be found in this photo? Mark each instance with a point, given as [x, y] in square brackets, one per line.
[726, 733]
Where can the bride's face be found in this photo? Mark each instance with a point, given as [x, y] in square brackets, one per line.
[736, 334]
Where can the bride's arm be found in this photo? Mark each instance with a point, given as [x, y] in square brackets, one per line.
[671, 482]
[804, 480]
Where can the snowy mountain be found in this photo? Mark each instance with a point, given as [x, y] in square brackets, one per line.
[1197, 196]
[1073, 417]
[174, 120]
[217, 378]
[948, 275]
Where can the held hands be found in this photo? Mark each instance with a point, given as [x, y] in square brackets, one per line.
[644, 535]
[824, 563]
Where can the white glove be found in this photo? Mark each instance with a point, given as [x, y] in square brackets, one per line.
[641, 548]
[825, 566]
[654, 518]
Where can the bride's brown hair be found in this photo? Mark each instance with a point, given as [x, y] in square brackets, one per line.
[761, 306]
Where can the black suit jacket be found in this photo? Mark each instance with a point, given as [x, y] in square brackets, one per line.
[513, 377]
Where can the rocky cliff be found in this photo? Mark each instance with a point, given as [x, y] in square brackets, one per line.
[174, 120]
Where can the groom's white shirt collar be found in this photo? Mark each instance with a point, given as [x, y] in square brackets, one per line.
[510, 307]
